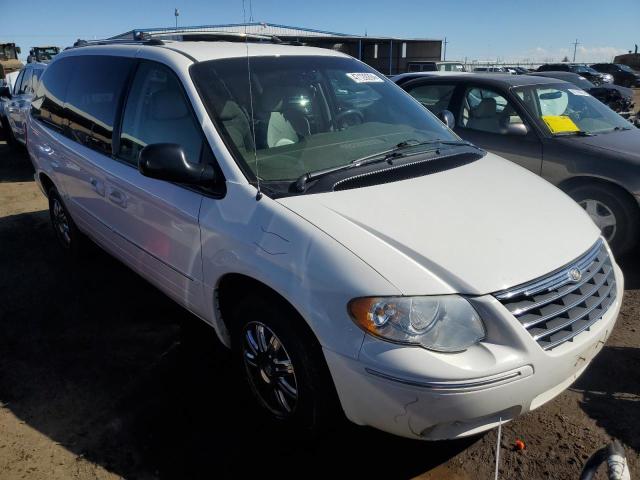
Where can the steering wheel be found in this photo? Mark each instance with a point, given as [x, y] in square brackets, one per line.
[340, 119]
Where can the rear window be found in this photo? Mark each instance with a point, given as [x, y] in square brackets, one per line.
[48, 103]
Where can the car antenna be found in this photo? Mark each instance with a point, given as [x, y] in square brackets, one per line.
[253, 129]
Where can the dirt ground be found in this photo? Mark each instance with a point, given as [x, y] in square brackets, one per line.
[101, 376]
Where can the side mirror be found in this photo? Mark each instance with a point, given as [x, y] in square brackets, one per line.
[167, 161]
[18, 50]
[516, 129]
[5, 91]
[447, 118]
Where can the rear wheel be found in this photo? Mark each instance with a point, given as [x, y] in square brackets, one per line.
[66, 231]
[616, 215]
[283, 365]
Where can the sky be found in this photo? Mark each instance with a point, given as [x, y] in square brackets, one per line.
[506, 30]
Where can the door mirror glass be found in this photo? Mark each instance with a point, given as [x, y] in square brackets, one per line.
[168, 161]
[447, 118]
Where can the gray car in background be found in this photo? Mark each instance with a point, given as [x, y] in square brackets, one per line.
[553, 128]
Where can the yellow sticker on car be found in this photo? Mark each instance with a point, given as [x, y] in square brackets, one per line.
[560, 123]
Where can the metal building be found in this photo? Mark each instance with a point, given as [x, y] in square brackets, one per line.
[386, 54]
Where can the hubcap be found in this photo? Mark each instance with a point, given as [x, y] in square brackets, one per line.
[269, 368]
[60, 222]
[602, 216]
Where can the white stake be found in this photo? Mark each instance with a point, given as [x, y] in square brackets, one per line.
[498, 446]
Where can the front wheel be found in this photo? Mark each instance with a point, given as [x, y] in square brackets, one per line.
[283, 365]
[617, 217]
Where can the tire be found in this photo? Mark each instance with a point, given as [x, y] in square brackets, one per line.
[617, 215]
[314, 406]
[67, 234]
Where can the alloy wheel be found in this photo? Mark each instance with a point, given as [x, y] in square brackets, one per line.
[269, 369]
[602, 216]
[61, 223]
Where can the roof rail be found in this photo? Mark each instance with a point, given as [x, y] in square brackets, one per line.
[169, 34]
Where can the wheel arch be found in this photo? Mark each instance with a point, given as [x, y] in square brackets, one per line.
[46, 183]
[232, 287]
[585, 180]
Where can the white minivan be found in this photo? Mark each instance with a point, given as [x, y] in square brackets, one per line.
[355, 254]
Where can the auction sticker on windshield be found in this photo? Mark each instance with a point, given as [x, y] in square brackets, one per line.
[364, 77]
[559, 123]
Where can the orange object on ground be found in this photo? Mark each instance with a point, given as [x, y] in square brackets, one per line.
[519, 445]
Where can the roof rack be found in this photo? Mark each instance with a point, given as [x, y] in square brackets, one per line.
[159, 38]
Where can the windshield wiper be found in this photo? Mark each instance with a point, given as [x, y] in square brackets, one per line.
[384, 156]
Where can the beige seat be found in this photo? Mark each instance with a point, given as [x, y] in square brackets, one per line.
[485, 117]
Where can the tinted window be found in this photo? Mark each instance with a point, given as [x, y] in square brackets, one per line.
[487, 111]
[35, 79]
[48, 104]
[92, 99]
[157, 111]
[435, 97]
[25, 86]
[18, 84]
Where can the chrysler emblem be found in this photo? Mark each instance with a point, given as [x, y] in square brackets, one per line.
[575, 275]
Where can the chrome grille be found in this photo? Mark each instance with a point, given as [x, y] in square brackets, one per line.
[557, 307]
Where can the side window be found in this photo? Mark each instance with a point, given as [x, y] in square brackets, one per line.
[48, 103]
[92, 99]
[18, 84]
[33, 84]
[435, 97]
[26, 82]
[487, 111]
[157, 111]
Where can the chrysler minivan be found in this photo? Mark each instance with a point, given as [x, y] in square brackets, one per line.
[355, 254]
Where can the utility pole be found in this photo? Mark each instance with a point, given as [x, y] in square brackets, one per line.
[575, 47]
[176, 13]
[444, 57]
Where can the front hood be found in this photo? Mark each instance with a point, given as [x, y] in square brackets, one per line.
[624, 142]
[474, 229]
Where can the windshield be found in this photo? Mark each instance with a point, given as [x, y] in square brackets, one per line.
[7, 52]
[626, 68]
[309, 113]
[583, 69]
[47, 53]
[565, 109]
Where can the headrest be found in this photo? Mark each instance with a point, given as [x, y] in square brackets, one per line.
[168, 105]
[487, 108]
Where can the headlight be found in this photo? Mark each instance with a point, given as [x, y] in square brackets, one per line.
[444, 324]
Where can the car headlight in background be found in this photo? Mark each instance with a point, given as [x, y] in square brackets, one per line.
[445, 323]
[608, 78]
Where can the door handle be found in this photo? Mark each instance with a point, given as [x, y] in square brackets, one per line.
[97, 185]
[117, 197]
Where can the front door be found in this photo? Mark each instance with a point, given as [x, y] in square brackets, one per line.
[484, 118]
[158, 220]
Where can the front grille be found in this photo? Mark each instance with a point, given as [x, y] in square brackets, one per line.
[557, 307]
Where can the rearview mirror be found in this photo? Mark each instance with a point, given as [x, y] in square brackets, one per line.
[447, 118]
[5, 91]
[168, 161]
[517, 129]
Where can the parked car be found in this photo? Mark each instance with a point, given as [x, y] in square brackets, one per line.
[352, 251]
[443, 66]
[521, 70]
[554, 129]
[619, 99]
[589, 73]
[42, 54]
[17, 103]
[492, 70]
[623, 75]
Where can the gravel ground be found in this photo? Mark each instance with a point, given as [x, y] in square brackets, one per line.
[102, 376]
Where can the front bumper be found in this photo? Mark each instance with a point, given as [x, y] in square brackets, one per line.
[415, 393]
